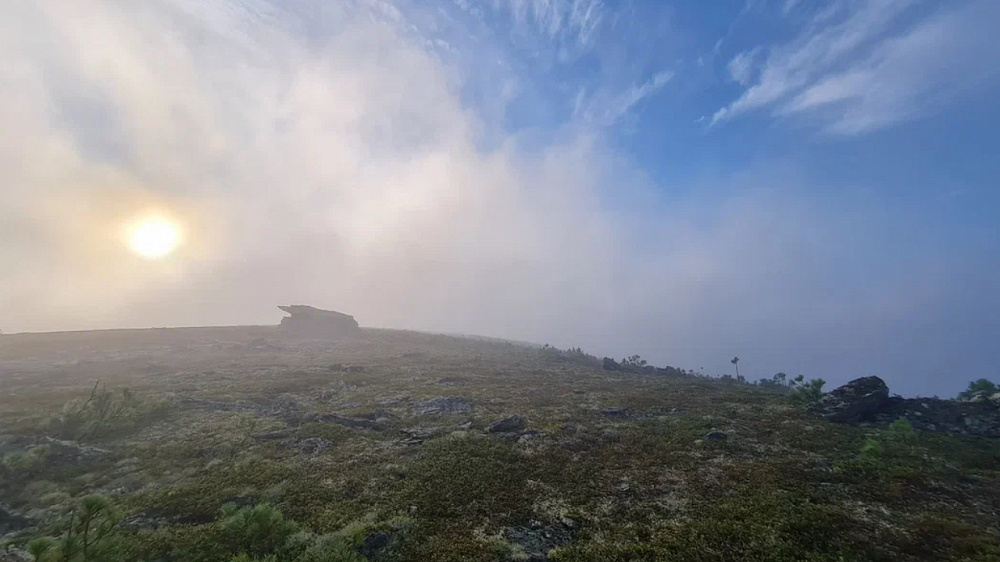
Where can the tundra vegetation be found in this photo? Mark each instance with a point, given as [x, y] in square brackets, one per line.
[252, 444]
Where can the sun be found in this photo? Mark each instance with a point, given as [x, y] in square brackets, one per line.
[154, 238]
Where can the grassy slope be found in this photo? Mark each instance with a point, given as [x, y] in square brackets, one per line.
[644, 487]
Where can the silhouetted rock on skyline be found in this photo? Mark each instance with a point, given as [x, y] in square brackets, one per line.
[309, 320]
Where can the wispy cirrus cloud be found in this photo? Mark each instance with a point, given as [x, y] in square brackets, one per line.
[860, 67]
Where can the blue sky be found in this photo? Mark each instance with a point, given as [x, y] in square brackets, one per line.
[808, 185]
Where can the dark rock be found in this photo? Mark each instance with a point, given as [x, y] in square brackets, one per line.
[611, 365]
[507, 425]
[306, 320]
[374, 545]
[442, 406]
[715, 436]
[614, 412]
[11, 521]
[857, 401]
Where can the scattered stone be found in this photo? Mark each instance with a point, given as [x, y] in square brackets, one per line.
[611, 365]
[507, 425]
[443, 406]
[354, 369]
[611, 435]
[417, 435]
[65, 453]
[536, 540]
[716, 436]
[857, 401]
[352, 422]
[11, 521]
[14, 555]
[313, 445]
[614, 412]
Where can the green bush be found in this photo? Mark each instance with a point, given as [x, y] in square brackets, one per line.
[806, 392]
[257, 530]
[980, 387]
[104, 413]
[90, 535]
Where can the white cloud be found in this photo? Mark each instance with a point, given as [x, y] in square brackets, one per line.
[858, 74]
[743, 67]
[578, 19]
[320, 153]
[606, 108]
[907, 75]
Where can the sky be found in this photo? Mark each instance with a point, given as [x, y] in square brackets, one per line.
[808, 185]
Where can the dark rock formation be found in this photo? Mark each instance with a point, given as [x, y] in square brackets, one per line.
[857, 401]
[715, 436]
[306, 320]
[934, 414]
[867, 400]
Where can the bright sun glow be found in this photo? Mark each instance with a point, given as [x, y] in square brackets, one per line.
[154, 239]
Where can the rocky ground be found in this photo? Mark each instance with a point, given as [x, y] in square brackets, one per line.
[396, 445]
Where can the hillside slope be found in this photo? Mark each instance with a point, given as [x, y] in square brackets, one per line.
[395, 445]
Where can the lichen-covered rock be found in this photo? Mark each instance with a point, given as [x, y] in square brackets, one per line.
[859, 400]
[507, 425]
[442, 406]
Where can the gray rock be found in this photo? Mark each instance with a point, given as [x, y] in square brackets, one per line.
[614, 412]
[536, 540]
[716, 436]
[313, 445]
[352, 422]
[507, 425]
[374, 545]
[63, 453]
[443, 406]
[857, 401]
[417, 435]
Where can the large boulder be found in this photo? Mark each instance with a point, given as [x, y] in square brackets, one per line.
[306, 320]
[857, 401]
